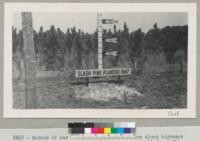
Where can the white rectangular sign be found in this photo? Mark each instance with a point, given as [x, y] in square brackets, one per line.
[111, 40]
[113, 53]
[103, 72]
[109, 21]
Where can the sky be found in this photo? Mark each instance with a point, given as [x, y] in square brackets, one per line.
[87, 22]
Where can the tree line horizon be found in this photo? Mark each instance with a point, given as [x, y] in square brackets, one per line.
[76, 49]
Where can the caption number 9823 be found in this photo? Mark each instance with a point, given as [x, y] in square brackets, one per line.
[173, 114]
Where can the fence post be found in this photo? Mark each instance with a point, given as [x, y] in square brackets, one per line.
[119, 79]
[30, 62]
[87, 81]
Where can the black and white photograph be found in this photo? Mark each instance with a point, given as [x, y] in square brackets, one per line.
[102, 60]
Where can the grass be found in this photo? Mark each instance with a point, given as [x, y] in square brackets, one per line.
[164, 90]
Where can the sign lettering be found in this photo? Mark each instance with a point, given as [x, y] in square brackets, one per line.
[102, 72]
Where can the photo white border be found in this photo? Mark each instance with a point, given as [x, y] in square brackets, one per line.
[190, 112]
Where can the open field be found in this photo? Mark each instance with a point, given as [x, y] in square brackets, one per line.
[145, 91]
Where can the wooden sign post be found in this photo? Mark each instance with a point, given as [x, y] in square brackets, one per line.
[30, 62]
[100, 44]
[100, 72]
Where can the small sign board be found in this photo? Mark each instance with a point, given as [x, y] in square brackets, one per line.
[113, 53]
[111, 40]
[109, 21]
[103, 72]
